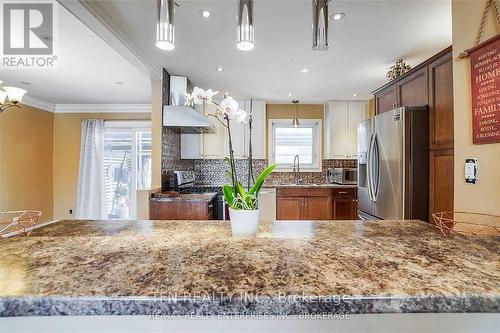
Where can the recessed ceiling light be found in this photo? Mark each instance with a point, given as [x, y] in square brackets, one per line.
[289, 94]
[304, 70]
[354, 95]
[338, 16]
[205, 13]
[119, 83]
[220, 69]
[26, 83]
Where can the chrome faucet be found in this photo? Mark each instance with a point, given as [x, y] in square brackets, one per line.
[296, 171]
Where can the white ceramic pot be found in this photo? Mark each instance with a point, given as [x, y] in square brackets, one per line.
[244, 223]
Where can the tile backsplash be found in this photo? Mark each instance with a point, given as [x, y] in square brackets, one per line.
[214, 172]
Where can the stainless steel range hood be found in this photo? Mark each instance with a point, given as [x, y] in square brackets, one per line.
[176, 115]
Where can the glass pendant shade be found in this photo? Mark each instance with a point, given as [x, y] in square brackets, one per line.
[320, 25]
[165, 30]
[3, 96]
[14, 94]
[295, 122]
[246, 30]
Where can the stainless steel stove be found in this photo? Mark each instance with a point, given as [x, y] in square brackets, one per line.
[184, 183]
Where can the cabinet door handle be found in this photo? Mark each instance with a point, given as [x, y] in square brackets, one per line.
[342, 192]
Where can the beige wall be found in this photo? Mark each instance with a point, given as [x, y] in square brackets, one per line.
[483, 197]
[67, 129]
[26, 158]
[156, 129]
[287, 111]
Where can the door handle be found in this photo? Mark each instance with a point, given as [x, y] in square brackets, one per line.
[369, 167]
[376, 159]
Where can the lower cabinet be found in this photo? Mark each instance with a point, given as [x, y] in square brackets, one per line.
[344, 209]
[180, 210]
[316, 204]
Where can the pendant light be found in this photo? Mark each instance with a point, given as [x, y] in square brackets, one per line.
[295, 121]
[246, 30]
[320, 25]
[165, 30]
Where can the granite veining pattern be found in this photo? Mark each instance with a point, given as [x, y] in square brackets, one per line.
[190, 197]
[196, 267]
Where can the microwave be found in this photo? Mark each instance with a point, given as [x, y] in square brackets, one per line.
[344, 176]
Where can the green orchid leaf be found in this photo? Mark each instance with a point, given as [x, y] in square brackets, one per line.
[228, 194]
[261, 179]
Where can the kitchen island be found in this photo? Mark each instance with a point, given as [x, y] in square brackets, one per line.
[196, 267]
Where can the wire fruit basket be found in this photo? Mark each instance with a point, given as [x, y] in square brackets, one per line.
[18, 222]
[467, 224]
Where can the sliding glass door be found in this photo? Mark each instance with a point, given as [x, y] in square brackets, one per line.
[127, 165]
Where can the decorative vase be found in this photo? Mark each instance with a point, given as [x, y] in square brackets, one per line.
[244, 223]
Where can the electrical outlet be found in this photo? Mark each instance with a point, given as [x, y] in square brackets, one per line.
[71, 212]
[471, 170]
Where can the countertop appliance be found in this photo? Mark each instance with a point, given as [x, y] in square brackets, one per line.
[343, 176]
[176, 115]
[393, 165]
[184, 184]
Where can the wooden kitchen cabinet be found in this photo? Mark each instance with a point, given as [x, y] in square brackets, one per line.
[316, 204]
[289, 208]
[317, 208]
[180, 210]
[344, 209]
[341, 128]
[430, 83]
[386, 99]
[344, 202]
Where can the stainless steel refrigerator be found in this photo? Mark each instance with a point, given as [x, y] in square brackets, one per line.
[393, 165]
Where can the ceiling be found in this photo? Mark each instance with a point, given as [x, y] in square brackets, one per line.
[87, 72]
[373, 35]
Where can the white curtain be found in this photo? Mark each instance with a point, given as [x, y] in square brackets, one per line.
[91, 197]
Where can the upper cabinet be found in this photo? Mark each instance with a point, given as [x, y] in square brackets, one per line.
[341, 128]
[216, 146]
[430, 83]
[240, 133]
[204, 146]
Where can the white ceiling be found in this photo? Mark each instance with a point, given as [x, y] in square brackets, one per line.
[87, 71]
[362, 47]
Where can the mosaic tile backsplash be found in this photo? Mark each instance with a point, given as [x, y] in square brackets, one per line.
[214, 172]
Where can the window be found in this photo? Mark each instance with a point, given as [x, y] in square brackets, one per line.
[285, 142]
[127, 165]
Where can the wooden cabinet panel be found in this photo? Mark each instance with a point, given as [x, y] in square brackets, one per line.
[441, 181]
[413, 90]
[289, 208]
[441, 103]
[180, 210]
[303, 192]
[317, 208]
[386, 99]
[344, 209]
[344, 192]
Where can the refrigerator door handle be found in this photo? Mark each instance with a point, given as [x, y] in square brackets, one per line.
[375, 162]
[369, 167]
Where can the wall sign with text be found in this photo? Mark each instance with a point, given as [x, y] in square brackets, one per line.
[485, 88]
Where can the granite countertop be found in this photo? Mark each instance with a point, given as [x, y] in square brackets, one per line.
[196, 267]
[175, 196]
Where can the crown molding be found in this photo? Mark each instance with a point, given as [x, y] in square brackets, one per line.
[103, 108]
[103, 26]
[38, 103]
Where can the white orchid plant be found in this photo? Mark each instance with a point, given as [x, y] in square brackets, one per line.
[225, 111]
